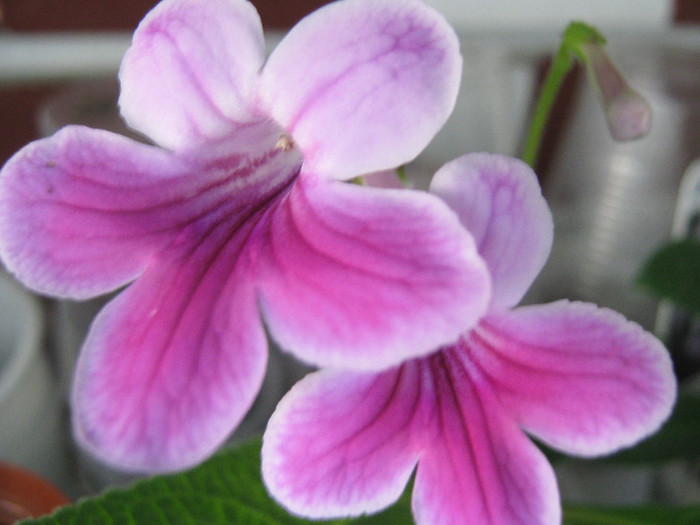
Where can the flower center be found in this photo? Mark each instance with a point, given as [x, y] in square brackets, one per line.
[285, 143]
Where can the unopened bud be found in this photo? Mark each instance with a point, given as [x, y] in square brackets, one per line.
[627, 113]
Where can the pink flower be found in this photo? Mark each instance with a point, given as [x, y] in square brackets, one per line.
[239, 210]
[581, 379]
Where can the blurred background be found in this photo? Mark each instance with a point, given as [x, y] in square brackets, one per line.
[613, 203]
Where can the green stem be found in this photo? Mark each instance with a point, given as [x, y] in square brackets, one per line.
[401, 173]
[574, 37]
[561, 65]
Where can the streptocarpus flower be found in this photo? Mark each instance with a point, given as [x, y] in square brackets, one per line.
[239, 207]
[582, 379]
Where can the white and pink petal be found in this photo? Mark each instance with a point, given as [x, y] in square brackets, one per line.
[477, 466]
[582, 379]
[365, 278]
[498, 199]
[191, 74]
[363, 86]
[84, 211]
[344, 444]
[172, 364]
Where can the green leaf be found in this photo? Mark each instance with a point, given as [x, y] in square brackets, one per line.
[673, 272]
[643, 515]
[225, 490]
[228, 490]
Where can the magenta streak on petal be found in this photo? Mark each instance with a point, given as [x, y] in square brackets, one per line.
[384, 418]
[221, 229]
[188, 76]
[148, 391]
[512, 494]
[532, 376]
[348, 443]
[359, 266]
[85, 211]
[498, 199]
[323, 89]
[381, 426]
[212, 192]
[225, 241]
[486, 343]
[455, 393]
[178, 310]
[142, 399]
[583, 379]
[372, 270]
[186, 69]
[478, 467]
[384, 263]
[374, 94]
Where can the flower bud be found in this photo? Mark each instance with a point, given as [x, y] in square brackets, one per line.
[627, 113]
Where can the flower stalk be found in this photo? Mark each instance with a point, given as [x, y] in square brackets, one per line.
[627, 113]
